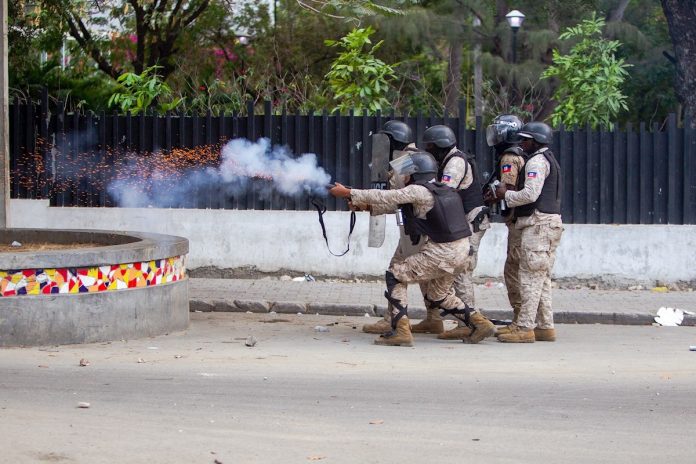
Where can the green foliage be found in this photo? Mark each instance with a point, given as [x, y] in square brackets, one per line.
[138, 92]
[357, 78]
[590, 78]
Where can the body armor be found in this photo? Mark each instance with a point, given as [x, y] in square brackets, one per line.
[549, 200]
[445, 222]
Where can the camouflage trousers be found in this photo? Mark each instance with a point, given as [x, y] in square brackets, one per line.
[537, 256]
[512, 266]
[464, 283]
[434, 267]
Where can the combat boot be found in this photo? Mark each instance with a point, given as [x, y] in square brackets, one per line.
[507, 328]
[401, 336]
[458, 333]
[545, 335]
[432, 324]
[483, 328]
[383, 326]
[517, 335]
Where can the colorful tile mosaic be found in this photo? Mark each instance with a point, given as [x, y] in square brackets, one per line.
[92, 279]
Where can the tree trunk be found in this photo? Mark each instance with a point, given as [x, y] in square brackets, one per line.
[454, 76]
[681, 17]
[618, 12]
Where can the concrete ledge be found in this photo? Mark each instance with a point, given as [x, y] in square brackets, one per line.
[336, 309]
[341, 309]
[118, 248]
[94, 317]
[288, 307]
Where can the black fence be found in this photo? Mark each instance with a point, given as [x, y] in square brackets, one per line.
[639, 175]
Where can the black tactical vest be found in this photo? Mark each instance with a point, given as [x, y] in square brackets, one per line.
[549, 200]
[445, 222]
[472, 196]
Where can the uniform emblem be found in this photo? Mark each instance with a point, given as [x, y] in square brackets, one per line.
[507, 168]
[446, 178]
[531, 174]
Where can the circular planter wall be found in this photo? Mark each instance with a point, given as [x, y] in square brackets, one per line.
[121, 286]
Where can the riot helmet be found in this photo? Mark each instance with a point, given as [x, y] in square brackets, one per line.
[420, 165]
[503, 130]
[398, 131]
[438, 141]
[539, 131]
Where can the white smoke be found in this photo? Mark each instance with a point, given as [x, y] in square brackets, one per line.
[243, 164]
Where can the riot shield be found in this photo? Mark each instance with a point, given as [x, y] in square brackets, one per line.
[379, 166]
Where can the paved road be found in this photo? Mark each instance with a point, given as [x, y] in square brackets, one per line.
[600, 394]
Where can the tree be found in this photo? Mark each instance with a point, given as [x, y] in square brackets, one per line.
[151, 26]
[681, 17]
[357, 79]
[590, 78]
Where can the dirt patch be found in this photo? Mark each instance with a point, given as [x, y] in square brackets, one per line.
[32, 247]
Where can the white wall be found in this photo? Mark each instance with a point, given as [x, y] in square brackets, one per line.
[292, 240]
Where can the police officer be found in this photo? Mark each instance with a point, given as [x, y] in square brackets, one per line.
[510, 159]
[432, 211]
[400, 143]
[537, 204]
[459, 171]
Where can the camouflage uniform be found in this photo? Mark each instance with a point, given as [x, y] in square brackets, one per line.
[434, 265]
[540, 235]
[404, 249]
[458, 174]
[510, 166]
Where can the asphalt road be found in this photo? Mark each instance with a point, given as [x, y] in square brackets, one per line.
[600, 394]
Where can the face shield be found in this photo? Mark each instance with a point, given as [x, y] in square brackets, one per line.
[497, 133]
[403, 166]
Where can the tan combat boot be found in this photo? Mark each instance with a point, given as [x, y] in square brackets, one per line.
[458, 333]
[483, 328]
[517, 335]
[383, 326]
[432, 324]
[545, 335]
[400, 337]
[506, 329]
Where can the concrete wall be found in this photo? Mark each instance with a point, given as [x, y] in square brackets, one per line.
[287, 240]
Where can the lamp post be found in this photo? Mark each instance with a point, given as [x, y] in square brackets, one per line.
[515, 18]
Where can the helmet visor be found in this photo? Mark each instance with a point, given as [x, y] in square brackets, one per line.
[496, 133]
[403, 165]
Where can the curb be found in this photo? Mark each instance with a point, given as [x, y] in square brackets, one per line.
[342, 309]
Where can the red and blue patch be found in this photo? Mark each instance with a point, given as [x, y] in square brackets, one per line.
[532, 174]
[446, 178]
[507, 168]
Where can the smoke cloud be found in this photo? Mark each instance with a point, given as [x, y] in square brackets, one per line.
[243, 165]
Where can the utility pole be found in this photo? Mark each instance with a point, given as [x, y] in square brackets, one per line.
[478, 73]
[4, 123]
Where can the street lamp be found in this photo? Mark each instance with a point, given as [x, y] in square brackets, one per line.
[515, 18]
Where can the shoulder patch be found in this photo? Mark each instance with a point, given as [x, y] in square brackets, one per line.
[446, 178]
[507, 167]
[531, 174]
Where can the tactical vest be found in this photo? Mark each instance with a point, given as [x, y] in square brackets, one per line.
[549, 200]
[514, 150]
[472, 196]
[445, 222]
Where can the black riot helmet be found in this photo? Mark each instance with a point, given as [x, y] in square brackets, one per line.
[438, 141]
[540, 132]
[503, 130]
[440, 136]
[398, 131]
[420, 165]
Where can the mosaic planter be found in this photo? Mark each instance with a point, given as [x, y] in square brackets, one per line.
[128, 285]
